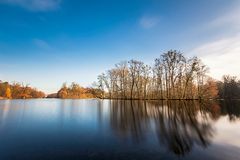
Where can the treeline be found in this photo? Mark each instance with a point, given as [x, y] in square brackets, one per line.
[75, 91]
[173, 76]
[18, 91]
[229, 87]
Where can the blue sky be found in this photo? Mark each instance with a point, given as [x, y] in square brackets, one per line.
[47, 42]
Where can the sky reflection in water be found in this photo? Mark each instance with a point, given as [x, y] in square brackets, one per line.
[104, 129]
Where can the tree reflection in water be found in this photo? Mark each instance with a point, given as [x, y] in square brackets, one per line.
[231, 108]
[179, 125]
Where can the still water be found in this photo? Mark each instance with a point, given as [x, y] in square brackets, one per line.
[103, 129]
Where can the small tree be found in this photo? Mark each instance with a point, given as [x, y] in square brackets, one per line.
[8, 93]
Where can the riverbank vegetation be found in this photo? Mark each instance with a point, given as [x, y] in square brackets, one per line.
[75, 91]
[229, 87]
[18, 91]
[173, 76]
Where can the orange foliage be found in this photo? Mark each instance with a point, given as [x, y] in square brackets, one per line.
[18, 91]
[75, 91]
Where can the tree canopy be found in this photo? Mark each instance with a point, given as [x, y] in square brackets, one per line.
[173, 76]
[18, 91]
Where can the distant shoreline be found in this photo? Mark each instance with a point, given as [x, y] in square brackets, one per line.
[218, 99]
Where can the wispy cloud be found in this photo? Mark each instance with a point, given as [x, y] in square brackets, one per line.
[148, 21]
[41, 44]
[222, 56]
[34, 5]
[230, 19]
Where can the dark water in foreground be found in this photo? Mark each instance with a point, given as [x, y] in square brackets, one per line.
[104, 129]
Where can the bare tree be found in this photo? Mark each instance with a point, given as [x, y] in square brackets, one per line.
[173, 76]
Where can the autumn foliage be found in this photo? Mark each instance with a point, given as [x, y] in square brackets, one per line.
[75, 91]
[18, 91]
[172, 76]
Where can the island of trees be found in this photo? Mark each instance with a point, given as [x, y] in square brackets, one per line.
[75, 91]
[172, 76]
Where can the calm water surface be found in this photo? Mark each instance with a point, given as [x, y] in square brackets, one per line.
[104, 129]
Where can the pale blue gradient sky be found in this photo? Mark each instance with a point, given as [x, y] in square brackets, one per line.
[47, 42]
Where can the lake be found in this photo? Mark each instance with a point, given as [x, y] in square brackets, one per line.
[113, 129]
